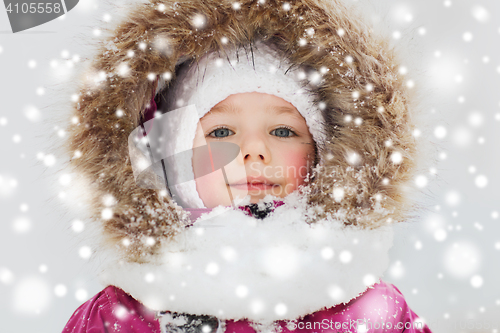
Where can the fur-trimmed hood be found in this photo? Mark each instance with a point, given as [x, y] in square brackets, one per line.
[359, 188]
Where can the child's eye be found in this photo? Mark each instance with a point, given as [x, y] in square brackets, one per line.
[221, 132]
[282, 132]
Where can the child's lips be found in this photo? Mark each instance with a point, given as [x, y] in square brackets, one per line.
[253, 186]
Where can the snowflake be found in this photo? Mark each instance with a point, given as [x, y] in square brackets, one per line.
[22, 225]
[345, 256]
[467, 36]
[77, 226]
[480, 13]
[60, 290]
[241, 291]
[440, 132]
[85, 252]
[212, 268]
[481, 181]
[31, 295]
[476, 281]
[198, 21]
[280, 309]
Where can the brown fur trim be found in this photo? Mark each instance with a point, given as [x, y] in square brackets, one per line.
[356, 60]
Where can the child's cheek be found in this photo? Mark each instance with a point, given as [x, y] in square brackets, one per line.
[212, 189]
[295, 164]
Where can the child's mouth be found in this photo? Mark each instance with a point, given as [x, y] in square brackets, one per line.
[253, 184]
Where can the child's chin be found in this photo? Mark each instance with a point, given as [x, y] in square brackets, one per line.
[256, 199]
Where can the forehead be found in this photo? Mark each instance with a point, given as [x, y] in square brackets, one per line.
[254, 102]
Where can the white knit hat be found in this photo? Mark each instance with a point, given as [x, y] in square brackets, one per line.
[202, 85]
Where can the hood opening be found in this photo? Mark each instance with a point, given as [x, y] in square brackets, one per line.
[363, 99]
[161, 113]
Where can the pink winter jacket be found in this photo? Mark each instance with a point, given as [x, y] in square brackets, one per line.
[380, 309]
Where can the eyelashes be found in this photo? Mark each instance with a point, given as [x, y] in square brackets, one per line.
[222, 131]
[282, 130]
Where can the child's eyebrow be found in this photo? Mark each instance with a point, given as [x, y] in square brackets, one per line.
[224, 108]
[284, 109]
[291, 112]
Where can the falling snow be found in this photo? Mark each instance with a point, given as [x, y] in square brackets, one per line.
[60, 290]
[85, 252]
[7, 185]
[476, 281]
[481, 181]
[31, 296]
[81, 295]
[21, 225]
[451, 248]
[467, 36]
[462, 259]
[397, 270]
[6, 276]
[440, 132]
[480, 13]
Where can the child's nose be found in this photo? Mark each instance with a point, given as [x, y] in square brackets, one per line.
[255, 149]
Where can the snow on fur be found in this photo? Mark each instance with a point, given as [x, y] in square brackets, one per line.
[156, 36]
[233, 266]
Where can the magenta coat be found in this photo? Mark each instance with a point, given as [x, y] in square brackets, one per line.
[382, 309]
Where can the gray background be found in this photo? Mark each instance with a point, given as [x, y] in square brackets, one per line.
[452, 56]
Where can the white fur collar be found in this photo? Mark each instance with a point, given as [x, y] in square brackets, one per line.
[234, 266]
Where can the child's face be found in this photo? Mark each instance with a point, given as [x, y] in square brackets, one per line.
[276, 148]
